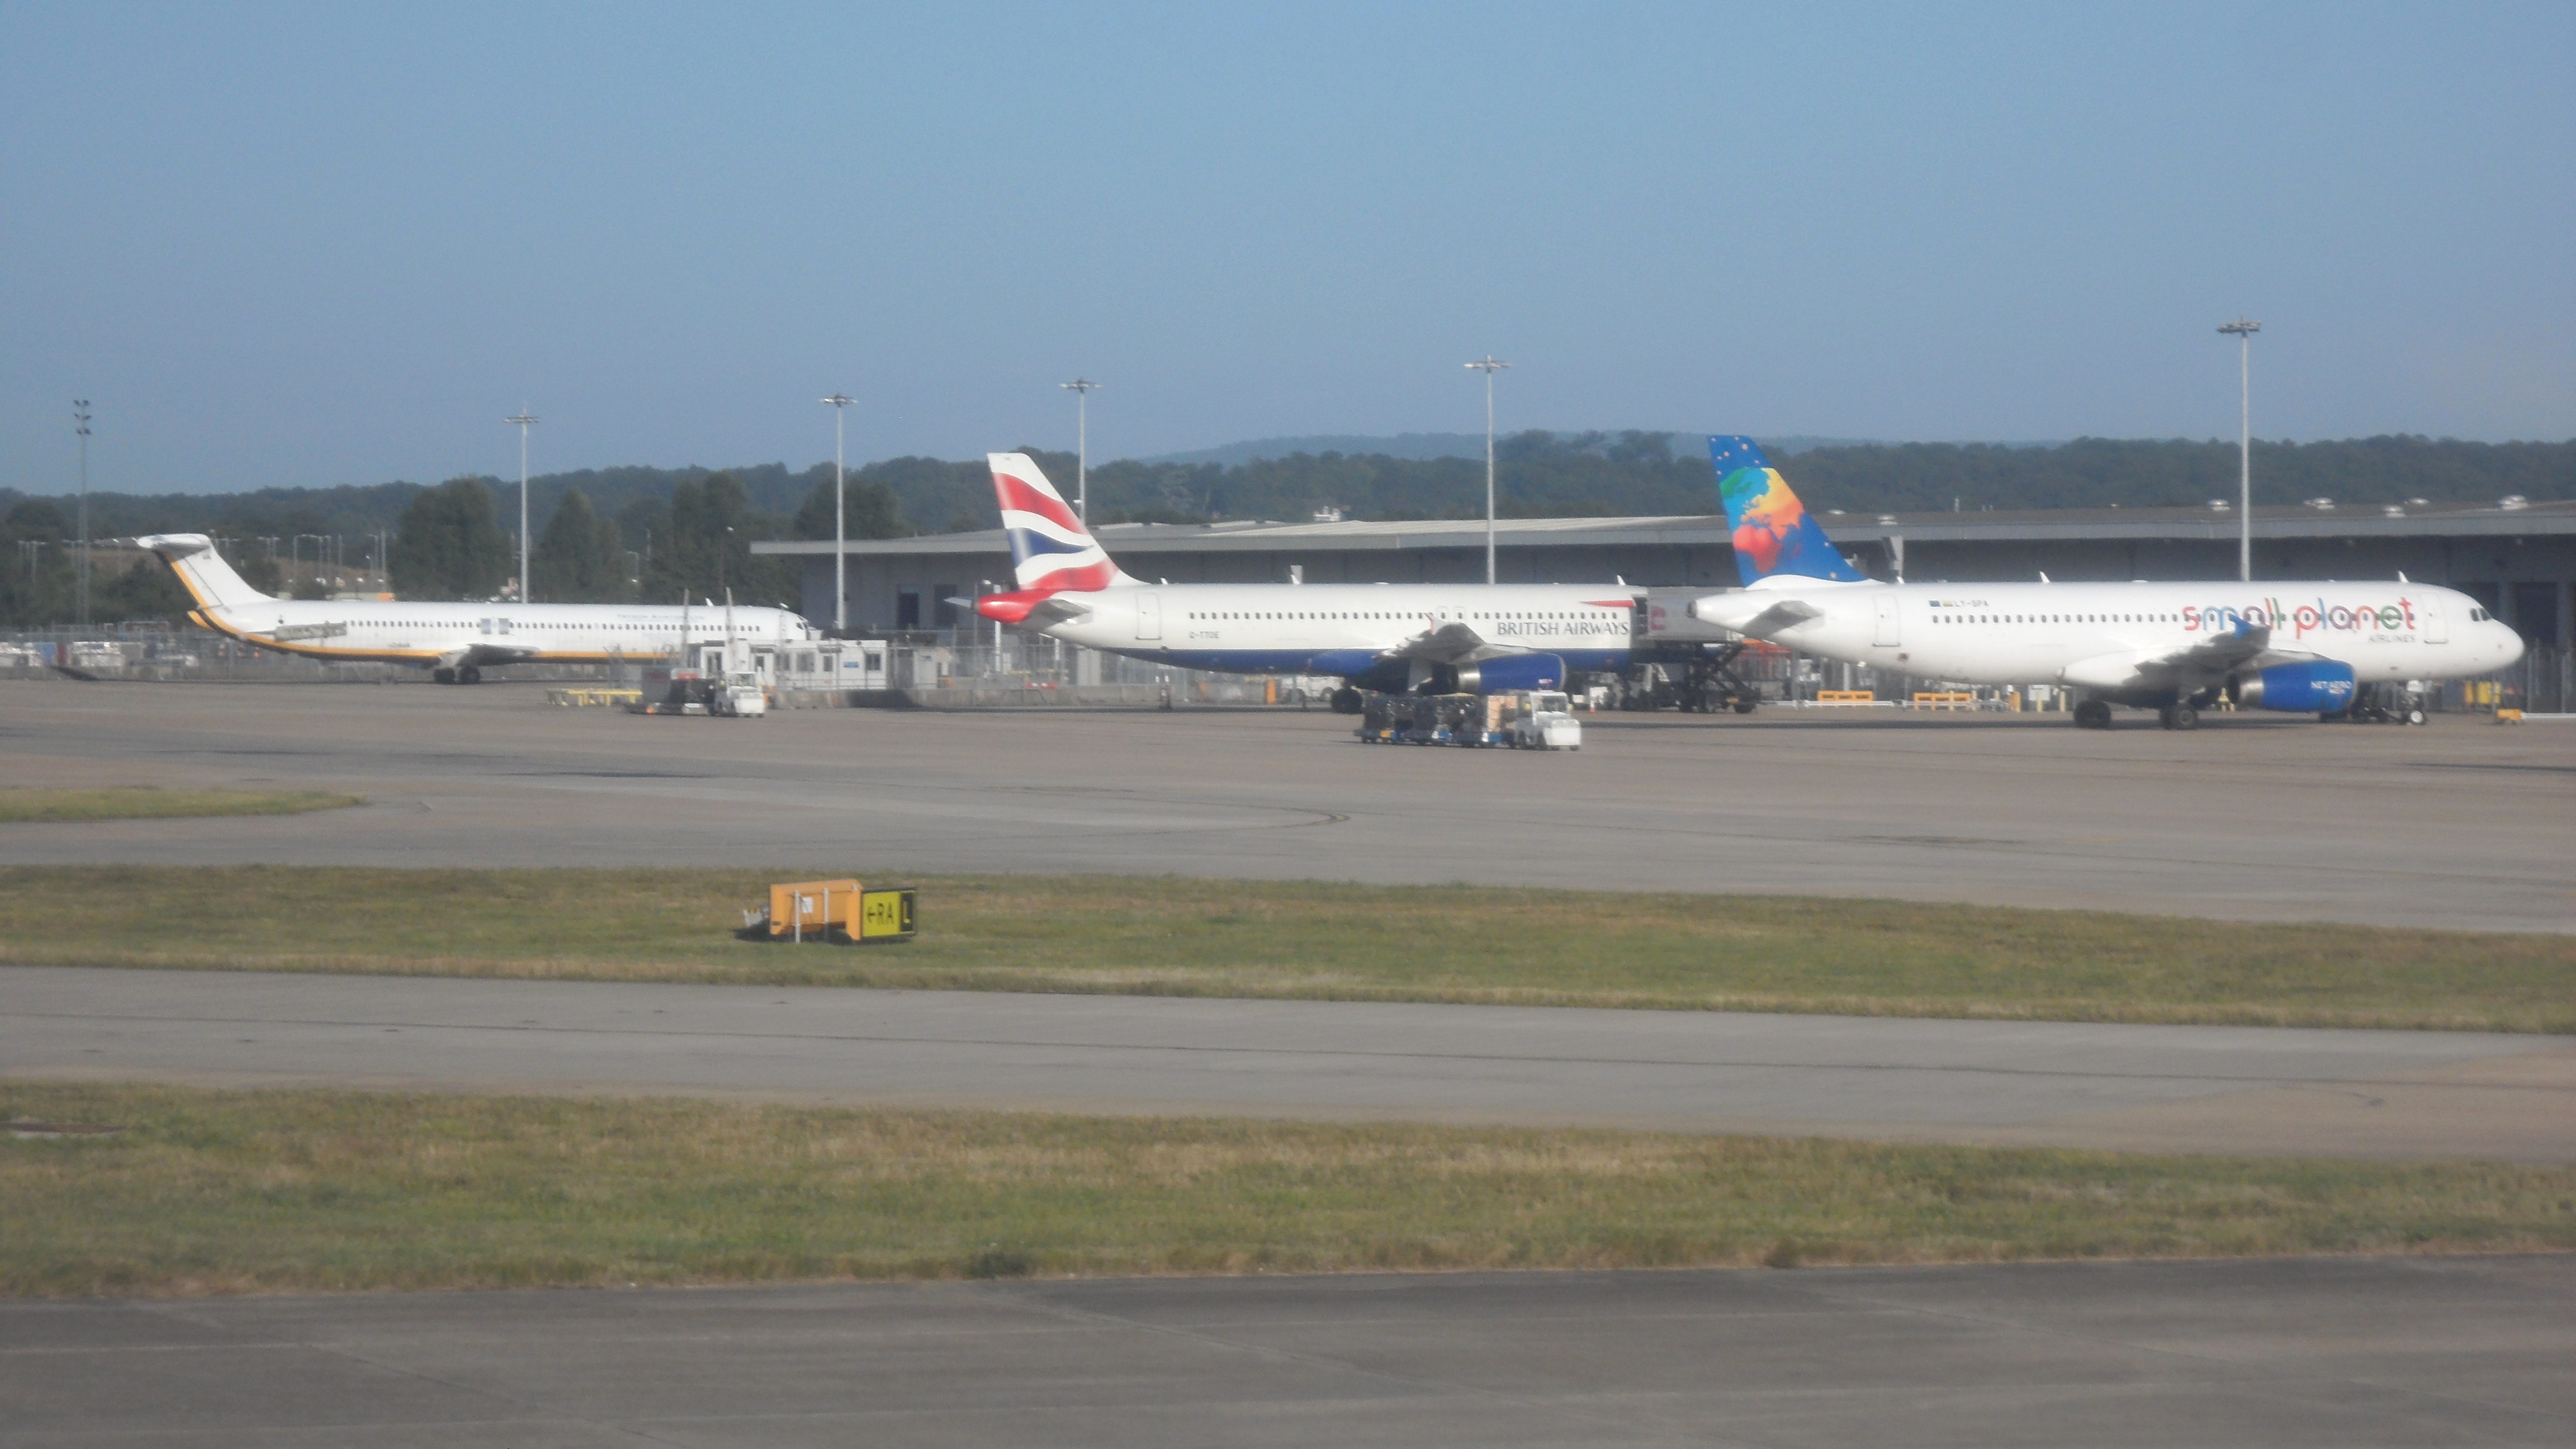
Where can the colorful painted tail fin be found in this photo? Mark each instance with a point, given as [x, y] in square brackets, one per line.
[208, 579]
[1050, 549]
[1773, 533]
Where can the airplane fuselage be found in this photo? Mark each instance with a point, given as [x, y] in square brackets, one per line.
[1339, 628]
[428, 634]
[2094, 635]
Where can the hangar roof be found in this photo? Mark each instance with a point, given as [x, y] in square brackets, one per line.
[2441, 520]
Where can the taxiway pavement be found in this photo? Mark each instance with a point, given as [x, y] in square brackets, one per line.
[2360, 1094]
[2345, 1353]
[2458, 825]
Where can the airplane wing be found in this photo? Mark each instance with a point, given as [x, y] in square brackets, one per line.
[1452, 643]
[2190, 669]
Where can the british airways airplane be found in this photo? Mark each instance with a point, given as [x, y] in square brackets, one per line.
[452, 641]
[1393, 638]
[2174, 648]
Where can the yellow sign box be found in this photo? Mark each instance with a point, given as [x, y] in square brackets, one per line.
[799, 909]
[885, 915]
[841, 912]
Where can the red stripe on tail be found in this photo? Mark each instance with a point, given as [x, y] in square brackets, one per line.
[1020, 494]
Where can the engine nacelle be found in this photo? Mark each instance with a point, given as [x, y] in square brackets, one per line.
[2317, 686]
[1512, 672]
[1363, 670]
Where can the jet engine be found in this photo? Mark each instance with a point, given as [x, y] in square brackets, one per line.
[1509, 672]
[2318, 686]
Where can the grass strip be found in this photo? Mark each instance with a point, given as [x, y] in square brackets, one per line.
[1190, 937]
[24, 804]
[219, 1191]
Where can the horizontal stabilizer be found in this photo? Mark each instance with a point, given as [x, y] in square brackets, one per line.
[1749, 613]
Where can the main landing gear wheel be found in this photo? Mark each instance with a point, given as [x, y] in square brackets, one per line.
[2092, 714]
[1346, 700]
[469, 674]
[443, 676]
[2179, 717]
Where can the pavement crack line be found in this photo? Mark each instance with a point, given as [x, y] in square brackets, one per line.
[1349, 1053]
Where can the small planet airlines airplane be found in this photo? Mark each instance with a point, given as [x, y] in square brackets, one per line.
[2173, 648]
[1393, 638]
[454, 641]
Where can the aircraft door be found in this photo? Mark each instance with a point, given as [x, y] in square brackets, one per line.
[1149, 615]
[2437, 629]
[1886, 633]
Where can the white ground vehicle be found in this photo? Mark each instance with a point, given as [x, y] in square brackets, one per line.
[738, 698]
[1545, 722]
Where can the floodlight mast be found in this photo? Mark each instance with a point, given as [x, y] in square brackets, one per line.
[523, 420]
[1489, 365]
[1081, 388]
[840, 578]
[80, 425]
[2243, 330]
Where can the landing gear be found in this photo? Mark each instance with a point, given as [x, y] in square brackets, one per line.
[2092, 714]
[443, 675]
[1346, 700]
[1744, 706]
[468, 674]
[2178, 717]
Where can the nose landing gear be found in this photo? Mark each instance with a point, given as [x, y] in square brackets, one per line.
[2092, 714]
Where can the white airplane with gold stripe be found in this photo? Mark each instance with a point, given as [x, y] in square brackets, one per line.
[455, 640]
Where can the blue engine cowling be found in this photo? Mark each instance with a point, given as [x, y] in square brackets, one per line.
[1512, 672]
[2316, 686]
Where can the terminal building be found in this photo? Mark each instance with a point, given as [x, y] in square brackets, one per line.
[2518, 560]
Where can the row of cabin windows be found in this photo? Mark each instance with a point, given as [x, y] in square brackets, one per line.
[1541, 614]
[2053, 618]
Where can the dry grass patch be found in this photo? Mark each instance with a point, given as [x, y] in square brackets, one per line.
[20, 804]
[209, 1192]
[1176, 936]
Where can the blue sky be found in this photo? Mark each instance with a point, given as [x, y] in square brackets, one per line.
[290, 245]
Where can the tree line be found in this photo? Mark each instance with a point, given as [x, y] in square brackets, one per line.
[693, 543]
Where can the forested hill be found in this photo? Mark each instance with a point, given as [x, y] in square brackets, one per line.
[1541, 474]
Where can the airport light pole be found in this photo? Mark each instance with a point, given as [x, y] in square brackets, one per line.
[80, 425]
[1488, 365]
[2243, 330]
[840, 579]
[1081, 388]
[523, 421]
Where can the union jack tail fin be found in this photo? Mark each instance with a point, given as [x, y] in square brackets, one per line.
[1050, 549]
